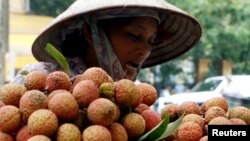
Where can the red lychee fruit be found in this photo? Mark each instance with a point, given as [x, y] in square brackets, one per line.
[42, 122]
[148, 92]
[35, 80]
[134, 124]
[102, 111]
[11, 93]
[189, 107]
[68, 132]
[126, 92]
[85, 92]
[58, 80]
[10, 119]
[151, 118]
[237, 121]
[216, 101]
[194, 118]
[64, 105]
[219, 121]
[5, 137]
[31, 101]
[172, 110]
[96, 74]
[118, 132]
[23, 134]
[39, 138]
[213, 112]
[96, 133]
[55, 92]
[139, 109]
[240, 112]
[189, 131]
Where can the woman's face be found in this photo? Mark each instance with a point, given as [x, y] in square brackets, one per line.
[132, 43]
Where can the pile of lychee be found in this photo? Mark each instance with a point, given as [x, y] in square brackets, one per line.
[195, 121]
[91, 107]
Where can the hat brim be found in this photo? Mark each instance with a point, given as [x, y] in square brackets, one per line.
[178, 31]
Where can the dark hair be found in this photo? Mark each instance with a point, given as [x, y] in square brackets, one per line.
[74, 44]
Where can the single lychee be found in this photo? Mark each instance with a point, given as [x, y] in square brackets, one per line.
[102, 111]
[23, 134]
[139, 109]
[31, 101]
[68, 132]
[5, 137]
[126, 92]
[189, 107]
[118, 132]
[107, 90]
[216, 101]
[10, 119]
[139, 99]
[58, 80]
[151, 118]
[195, 118]
[171, 110]
[240, 112]
[237, 121]
[219, 121]
[35, 80]
[85, 92]
[55, 92]
[43, 122]
[134, 124]
[39, 138]
[189, 131]
[96, 74]
[11, 93]
[96, 133]
[148, 92]
[213, 112]
[64, 105]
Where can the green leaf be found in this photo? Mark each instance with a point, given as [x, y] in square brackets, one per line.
[156, 132]
[24, 72]
[171, 128]
[59, 57]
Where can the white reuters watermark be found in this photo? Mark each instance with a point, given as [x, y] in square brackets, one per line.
[216, 132]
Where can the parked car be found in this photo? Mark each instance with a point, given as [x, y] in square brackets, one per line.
[209, 88]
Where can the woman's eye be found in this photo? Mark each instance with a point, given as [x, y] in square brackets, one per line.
[133, 37]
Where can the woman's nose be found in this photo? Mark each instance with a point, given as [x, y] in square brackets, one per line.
[144, 49]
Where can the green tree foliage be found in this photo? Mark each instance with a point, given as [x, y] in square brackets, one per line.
[49, 7]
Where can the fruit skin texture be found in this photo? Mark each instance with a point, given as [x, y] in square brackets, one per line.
[148, 92]
[151, 118]
[240, 112]
[39, 138]
[64, 106]
[126, 92]
[11, 93]
[107, 90]
[10, 119]
[102, 111]
[35, 80]
[172, 110]
[216, 101]
[189, 131]
[96, 74]
[85, 92]
[189, 107]
[134, 124]
[43, 122]
[118, 132]
[237, 121]
[213, 112]
[96, 133]
[139, 109]
[68, 132]
[31, 101]
[1, 104]
[194, 118]
[219, 121]
[5, 137]
[23, 134]
[58, 80]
